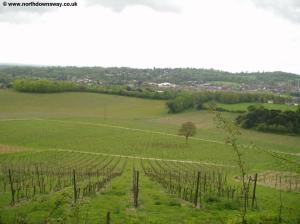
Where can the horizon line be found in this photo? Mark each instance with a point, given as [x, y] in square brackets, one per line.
[137, 68]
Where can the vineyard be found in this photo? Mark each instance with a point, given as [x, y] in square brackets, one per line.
[201, 185]
[27, 176]
[198, 184]
[286, 181]
[69, 161]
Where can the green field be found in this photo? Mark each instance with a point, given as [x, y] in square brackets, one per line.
[54, 128]
[243, 106]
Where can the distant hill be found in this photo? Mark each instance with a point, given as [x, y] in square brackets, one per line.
[121, 75]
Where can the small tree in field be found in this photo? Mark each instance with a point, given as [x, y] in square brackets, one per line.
[187, 129]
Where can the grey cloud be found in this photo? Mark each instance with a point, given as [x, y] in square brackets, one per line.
[289, 9]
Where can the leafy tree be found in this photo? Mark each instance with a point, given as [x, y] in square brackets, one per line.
[180, 103]
[271, 120]
[187, 129]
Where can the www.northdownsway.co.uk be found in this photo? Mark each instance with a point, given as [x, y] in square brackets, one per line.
[39, 4]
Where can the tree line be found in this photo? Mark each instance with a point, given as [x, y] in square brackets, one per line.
[45, 86]
[55, 86]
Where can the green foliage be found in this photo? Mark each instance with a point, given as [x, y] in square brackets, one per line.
[244, 107]
[188, 129]
[52, 86]
[180, 103]
[174, 203]
[271, 120]
[122, 90]
[45, 86]
[212, 199]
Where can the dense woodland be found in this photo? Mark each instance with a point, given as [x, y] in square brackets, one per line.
[278, 121]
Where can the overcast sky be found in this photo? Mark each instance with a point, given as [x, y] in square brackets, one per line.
[232, 35]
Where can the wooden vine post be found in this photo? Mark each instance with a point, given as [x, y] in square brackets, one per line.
[254, 192]
[197, 190]
[108, 217]
[11, 187]
[135, 188]
[75, 187]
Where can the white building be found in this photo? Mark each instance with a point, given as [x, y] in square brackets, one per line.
[166, 84]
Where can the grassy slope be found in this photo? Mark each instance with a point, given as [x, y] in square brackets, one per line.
[77, 116]
[16, 105]
[81, 112]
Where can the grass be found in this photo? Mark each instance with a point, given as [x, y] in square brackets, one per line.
[15, 105]
[129, 126]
